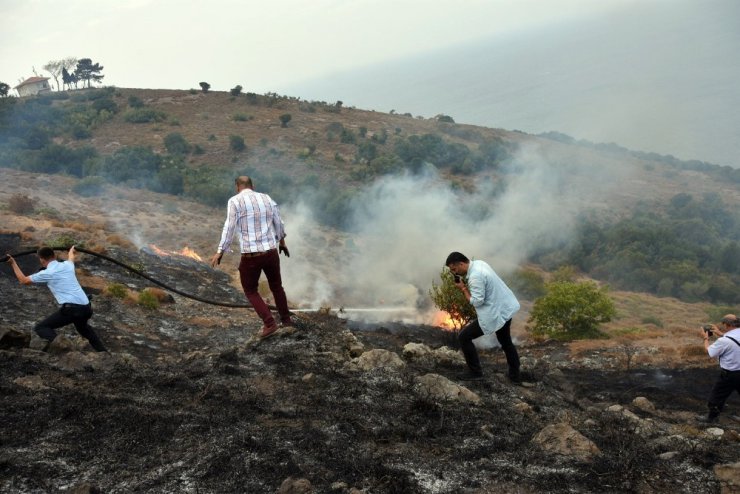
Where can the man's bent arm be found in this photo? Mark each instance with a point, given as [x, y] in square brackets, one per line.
[22, 278]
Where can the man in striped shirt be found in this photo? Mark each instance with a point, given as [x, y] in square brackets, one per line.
[255, 218]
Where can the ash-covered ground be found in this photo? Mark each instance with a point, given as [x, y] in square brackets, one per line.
[188, 401]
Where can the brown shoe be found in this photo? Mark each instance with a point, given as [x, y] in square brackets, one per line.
[267, 331]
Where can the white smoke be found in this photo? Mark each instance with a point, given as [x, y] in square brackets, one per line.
[405, 226]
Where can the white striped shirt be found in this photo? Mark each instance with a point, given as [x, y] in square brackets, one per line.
[256, 217]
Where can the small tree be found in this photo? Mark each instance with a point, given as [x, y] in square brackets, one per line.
[88, 71]
[449, 298]
[69, 78]
[284, 119]
[55, 67]
[236, 90]
[175, 143]
[4, 89]
[571, 310]
[204, 86]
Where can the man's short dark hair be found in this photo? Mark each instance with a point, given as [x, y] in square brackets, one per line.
[244, 181]
[45, 252]
[456, 257]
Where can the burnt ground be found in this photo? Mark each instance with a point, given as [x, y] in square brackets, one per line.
[188, 401]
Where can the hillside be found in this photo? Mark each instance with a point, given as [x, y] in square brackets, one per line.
[356, 185]
[189, 401]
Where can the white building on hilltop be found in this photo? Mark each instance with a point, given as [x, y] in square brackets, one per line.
[33, 86]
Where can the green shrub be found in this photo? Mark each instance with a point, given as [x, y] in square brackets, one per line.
[284, 119]
[144, 115]
[236, 90]
[449, 298]
[652, 320]
[117, 290]
[64, 241]
[148, 300]
[241, 117]
[571, 310]
[135, 102]
[175, 143]
[236, 143]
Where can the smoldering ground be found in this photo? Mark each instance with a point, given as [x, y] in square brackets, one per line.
[402, 228]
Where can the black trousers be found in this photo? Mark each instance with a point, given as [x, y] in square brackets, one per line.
[503, 335]
[79, 315]
[727, 382]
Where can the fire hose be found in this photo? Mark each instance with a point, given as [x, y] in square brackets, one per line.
[143, 275]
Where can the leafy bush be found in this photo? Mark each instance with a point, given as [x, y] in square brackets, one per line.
[236, 90]
[144, 115]
[175, 143]
[148, 300]
[204, 86]
[64, 241]
[449, 298]
[135, 102]
[571, 310]
[136, 165]
[284, 119]
[117, 290]
[236, 143]
[21, 204]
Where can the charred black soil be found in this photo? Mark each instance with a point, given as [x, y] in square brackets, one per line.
[189, 401]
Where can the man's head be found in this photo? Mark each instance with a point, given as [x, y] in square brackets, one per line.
[457, 263]
[244, 182]
[46, 255]
[731, 321]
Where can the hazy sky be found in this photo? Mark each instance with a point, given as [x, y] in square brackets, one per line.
[259, 44]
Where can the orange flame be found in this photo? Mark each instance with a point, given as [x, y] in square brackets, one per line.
[443, 320]
[185, 252]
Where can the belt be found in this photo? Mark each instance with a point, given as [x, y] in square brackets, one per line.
[75, 305]
[256, 254]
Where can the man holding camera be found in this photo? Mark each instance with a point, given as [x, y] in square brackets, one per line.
[495, 305]
[726, 348]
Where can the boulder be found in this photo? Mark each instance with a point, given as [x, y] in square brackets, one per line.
[375, 359]
[440, 388]
[564, 440]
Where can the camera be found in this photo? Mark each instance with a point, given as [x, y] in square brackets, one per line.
[708, 329]
[458, 279]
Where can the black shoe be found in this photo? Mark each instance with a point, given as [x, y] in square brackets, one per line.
[707, 419]
[470, 376]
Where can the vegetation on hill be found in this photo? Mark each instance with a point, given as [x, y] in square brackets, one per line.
[689, 250]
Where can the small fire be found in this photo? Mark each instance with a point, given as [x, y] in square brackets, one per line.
[443, 320]
[185, 252]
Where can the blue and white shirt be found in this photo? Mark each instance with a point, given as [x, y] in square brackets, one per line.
[727, 351]
[494, 302]
[256, 217]
[62, 282]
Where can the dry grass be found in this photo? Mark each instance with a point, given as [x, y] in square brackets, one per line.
[120, 241]
[160, 295]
